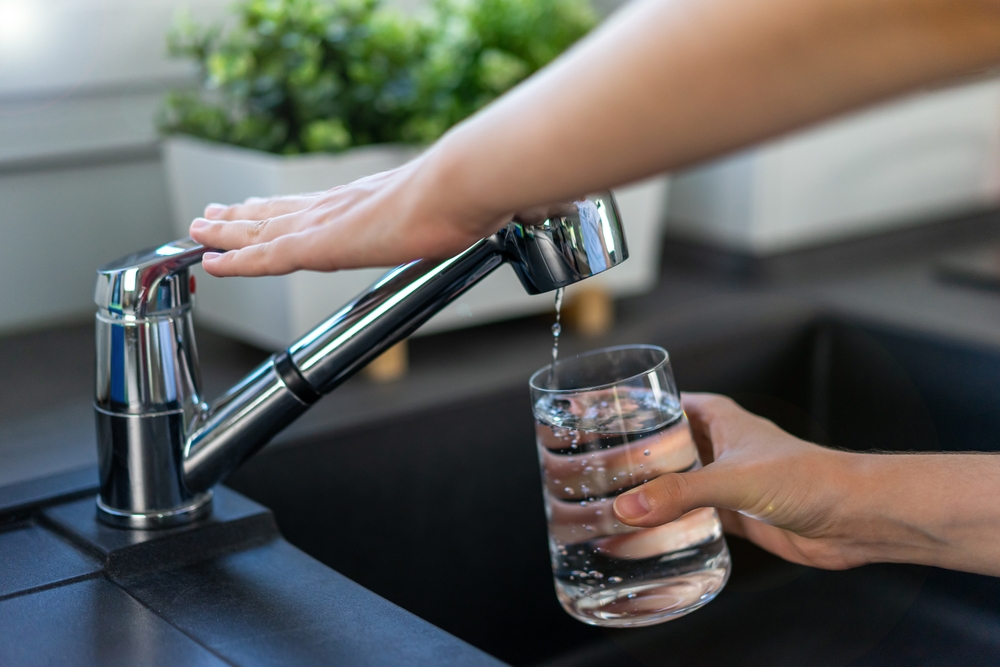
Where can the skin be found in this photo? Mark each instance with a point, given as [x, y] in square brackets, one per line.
[661, 85]
[824, 507]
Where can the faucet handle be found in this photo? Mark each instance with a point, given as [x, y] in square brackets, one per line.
[144, 282]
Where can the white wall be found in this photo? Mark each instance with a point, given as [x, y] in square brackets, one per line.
[80, 175]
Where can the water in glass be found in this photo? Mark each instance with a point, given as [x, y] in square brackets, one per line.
[594, 445]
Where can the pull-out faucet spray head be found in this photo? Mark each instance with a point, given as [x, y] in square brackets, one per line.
[161, 447]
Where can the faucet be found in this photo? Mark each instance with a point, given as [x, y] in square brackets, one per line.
[161, 447]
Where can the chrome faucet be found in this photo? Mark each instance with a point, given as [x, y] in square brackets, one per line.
[161, 447]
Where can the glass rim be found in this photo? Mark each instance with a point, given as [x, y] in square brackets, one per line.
[603, 350]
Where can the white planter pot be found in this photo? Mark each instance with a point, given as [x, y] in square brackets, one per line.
[272, 312]
[902, 163]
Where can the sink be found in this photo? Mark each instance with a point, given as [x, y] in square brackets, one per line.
[441, 511]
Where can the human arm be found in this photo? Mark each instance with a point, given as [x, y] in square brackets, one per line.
[662, 84]
[829, 508]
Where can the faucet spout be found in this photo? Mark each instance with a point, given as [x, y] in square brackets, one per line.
[281, 389]
[162, 448]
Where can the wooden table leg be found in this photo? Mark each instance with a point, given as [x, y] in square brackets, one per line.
[589, 311]
[391, 365]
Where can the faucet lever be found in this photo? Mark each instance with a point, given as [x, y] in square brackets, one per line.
[140, 283]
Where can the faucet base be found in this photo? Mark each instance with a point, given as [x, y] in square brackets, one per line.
[198, 508]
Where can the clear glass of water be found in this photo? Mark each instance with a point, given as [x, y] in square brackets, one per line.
[607, 421]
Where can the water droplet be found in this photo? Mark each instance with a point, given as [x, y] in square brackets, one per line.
[615, 580]
[557, 481]
[589, 469]
[589, 529]
[630, 596]
[595, 574]
[598, 513]
[556, 329]
[567, 490]
[615, 478]
[583, 503]
[640, 465]
[646, 453]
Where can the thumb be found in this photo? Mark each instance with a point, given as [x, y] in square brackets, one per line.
[670, 496]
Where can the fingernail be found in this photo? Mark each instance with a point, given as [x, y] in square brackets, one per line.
[213, 211]
[631, 505]
[199, 223]
[210, 256]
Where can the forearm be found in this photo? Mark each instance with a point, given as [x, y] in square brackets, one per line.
[667, 83]
[933, 509]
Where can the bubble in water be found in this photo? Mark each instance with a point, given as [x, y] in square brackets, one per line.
[646, 453]
[615, 580]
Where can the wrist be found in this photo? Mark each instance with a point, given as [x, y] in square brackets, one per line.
[457, 176]
[926, 509]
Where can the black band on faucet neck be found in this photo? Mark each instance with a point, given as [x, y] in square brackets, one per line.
[293, 380]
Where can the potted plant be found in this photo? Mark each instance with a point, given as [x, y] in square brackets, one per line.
[302, 95]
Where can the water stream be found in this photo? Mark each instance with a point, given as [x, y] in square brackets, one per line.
[556, 332]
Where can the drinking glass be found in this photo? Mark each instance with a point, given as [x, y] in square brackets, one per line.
[607, 421]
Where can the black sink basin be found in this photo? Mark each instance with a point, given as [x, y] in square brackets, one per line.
[441, 511]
